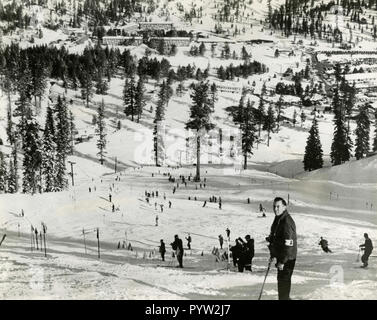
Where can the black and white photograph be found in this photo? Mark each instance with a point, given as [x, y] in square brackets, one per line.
[188, 150]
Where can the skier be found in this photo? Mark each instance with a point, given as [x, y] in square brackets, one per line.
[169, 204]
[162, 207]
[90, 189]
[205, 203]
[113, 208]
[156, 220]
[236, 252]
[283, 246]
[324, 245]
[227, 233]
[246, 255]
[110, 197]
[178, 247]
[221, 240]
[220, 205]
[188, 242]
[368, 248]
[22, 212]
[162, 249]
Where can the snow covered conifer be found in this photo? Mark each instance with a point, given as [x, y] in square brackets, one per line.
[3, 174]
[313, 151]
[62, 144]
[375, 131]
[139, 98]
[159, 117]
[49, 152]
[200, 112]
[248, 131]
[269, 123]
[101, 132]
[32, 156]
[340, 147]
[362, 132]
[129, 93]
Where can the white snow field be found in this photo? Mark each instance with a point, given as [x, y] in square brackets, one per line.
[69, 273]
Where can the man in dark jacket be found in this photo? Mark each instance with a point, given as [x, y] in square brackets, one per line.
[283, 246]
[324, 245]
[178, 247]
[247, 252]
[162, 249]
[368, 248]
[236, 253]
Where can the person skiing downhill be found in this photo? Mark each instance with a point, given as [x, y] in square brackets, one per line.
[368, 248]
[324, 245]
[283, 246]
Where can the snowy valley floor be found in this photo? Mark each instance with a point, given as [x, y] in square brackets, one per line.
[69, 273]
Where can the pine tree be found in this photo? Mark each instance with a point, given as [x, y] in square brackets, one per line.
[313, 151]
[86, 76]
[3, 174]
[375, 131]
[260, 115]
[269, 123]
[248, 131]
[101, 132]
[72, 129]
[362, 132]
[340, 148]
[62, 144]
[38, 78]
[9, 129]
[101, 85]
[32, 156]
[12, 177]
[139, 98]
[129, 92]
[278, 107]
[86, 81]
[158, 126]
[200, 112]
[49, 152]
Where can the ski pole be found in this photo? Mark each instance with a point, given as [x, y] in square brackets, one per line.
[265, 277]
[2, 239]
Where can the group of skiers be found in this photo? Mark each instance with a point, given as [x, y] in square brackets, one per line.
[243, 253]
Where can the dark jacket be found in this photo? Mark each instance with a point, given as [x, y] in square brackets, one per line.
[323, 243]
[177, 245]
[162, 248]
[248, 249]
[368, 246]
[283, 238]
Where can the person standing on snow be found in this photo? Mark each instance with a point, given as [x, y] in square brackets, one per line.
[221, 240]
[283, 246]
[162, 249]
[368, 248]
[178, 247]
[247, 252]
[188, 242]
